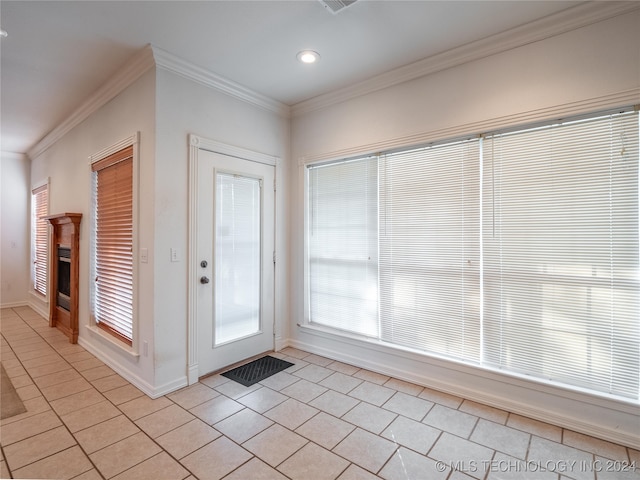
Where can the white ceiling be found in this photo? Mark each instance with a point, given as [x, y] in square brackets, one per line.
[57, 53]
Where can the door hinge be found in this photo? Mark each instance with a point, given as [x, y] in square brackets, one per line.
[274, 184]
[274, 257]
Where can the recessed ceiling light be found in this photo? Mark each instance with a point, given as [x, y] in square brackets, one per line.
[3, 33]
[308, 56]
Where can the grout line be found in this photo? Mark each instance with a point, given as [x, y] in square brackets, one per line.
[473, 429]
[64, 425]
[4, 459]
[487, 470]
[50, 342]
[526, 455]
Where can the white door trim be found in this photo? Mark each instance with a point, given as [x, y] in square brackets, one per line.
[197, 143]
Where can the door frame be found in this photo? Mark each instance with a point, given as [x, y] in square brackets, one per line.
[197, 143]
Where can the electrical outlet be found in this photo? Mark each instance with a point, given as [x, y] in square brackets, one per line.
[174, 255]
[144, 255]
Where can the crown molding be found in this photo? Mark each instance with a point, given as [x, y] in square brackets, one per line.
[141, 62]
[13, 155]
[186, 69]
[570, 19]
[150, 56]
[129, 73]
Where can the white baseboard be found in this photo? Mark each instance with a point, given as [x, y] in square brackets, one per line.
[169, 387]
[147, 388]
[603, 418]
[281, 343]
[13, 304]
[192, 375]
[42, 311]
[118, 368]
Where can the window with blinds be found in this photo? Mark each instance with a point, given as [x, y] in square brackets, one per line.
[40, 238]
[515, 251]
[112, 244]
[343, 245]
[561, 253]
[430, 249]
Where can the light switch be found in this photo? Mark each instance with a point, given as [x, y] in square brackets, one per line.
[144, 255]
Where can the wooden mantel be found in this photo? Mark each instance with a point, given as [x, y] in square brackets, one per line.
[63, 314]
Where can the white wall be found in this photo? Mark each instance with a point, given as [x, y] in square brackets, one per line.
[185, 107]
[15, 240]
[593, 67]
[164, 108]
[66, 162]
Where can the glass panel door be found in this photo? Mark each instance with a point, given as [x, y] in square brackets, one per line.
[238, 257]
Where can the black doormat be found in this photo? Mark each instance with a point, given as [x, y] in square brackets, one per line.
[257, 370]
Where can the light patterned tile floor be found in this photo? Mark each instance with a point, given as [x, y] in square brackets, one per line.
[319, 419]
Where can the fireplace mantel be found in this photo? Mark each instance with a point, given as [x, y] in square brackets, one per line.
[63, 262]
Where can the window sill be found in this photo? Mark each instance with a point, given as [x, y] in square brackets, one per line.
[39, 303]
[487, 373]
[41, 298]
[126, 349]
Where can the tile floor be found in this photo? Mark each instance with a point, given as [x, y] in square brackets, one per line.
[317, 420]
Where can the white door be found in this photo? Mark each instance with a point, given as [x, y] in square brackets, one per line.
[235, 224]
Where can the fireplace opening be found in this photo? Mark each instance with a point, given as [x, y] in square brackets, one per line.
[64, 278]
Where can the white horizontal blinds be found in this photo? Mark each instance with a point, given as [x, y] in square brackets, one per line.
[343, 245]
[560, 226]
[237, 251]
[429, 249]
[113, 247]
[40, 228]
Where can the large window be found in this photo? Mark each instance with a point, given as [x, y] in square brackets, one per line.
[430, 249]
[561, 253]
[516, 251]
[39, 238]
[343, 245]
[112, 244]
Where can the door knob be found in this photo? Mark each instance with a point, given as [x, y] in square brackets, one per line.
[203, 264]
[204, 280]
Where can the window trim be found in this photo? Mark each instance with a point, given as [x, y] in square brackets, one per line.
[36, 187]
[133, 349]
